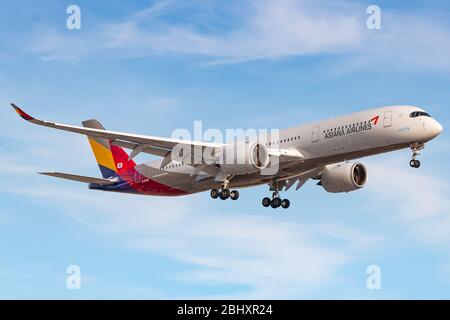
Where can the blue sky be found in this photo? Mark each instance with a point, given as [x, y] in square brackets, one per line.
[153, 66]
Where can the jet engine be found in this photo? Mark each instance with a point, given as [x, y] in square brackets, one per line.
[245, 158]
[344, 177]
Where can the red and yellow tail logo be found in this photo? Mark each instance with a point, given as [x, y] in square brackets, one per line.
[112, 160]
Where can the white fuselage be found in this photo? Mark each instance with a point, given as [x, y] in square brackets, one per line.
[326, 142]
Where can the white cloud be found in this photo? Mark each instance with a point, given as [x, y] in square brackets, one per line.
[267, 30]
[273, 29]
[262, 30]
[156, 9]
[407, 41]
[420, 201]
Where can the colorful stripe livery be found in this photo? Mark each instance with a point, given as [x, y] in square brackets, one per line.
[114, 162]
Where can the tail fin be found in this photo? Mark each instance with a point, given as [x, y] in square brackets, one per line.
[112, 160]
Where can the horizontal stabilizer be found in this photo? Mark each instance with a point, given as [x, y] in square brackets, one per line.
[74, 177]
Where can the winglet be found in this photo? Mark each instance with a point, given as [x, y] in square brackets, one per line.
[22, 113]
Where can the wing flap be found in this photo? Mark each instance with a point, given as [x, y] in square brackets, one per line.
[301, 178]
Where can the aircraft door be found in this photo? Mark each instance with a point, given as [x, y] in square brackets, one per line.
[387, 121]
[315, 134]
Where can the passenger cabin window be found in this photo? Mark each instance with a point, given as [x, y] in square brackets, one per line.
[416, 114]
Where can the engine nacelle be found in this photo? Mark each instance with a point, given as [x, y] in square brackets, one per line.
[245, 158]
[344, 177]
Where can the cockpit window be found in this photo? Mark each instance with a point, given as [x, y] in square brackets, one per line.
[416, 114]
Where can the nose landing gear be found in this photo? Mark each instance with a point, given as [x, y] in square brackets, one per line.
[414, 163]
[415, 148]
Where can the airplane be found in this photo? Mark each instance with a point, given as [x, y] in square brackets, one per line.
[321, 151]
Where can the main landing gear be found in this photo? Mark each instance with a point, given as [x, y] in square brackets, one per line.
[415, 148]
[224, 194]
[276, 201]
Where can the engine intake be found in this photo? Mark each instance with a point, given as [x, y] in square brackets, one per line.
[345, 177]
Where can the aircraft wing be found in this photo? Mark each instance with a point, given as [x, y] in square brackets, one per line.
[301, 178]
[286, 154]
[78, 178]
[138, 143]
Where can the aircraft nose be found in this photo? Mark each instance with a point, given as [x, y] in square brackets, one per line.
[436, 128]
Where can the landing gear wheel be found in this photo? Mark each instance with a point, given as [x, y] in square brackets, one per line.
[224, 194]
[215, 193]
[416, 148]
[285, 203]
[414, 163]
[275, 203]
[266, 202]
[234, 195]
